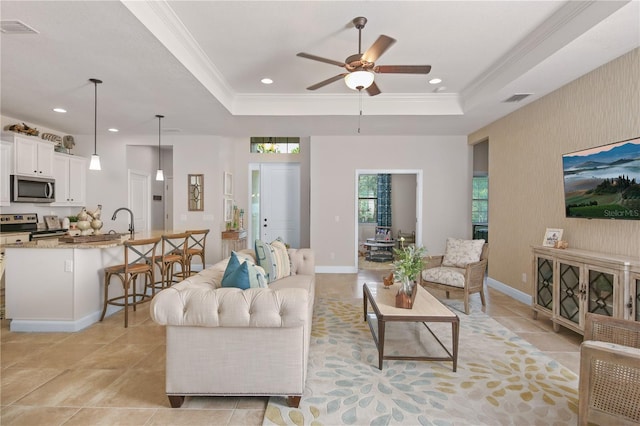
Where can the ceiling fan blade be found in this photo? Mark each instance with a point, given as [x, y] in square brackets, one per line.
[327, 81]
[378, 48]
[402, 69]
[373, 89]
[318, 58]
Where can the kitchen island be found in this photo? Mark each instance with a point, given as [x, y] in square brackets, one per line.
[59, 287]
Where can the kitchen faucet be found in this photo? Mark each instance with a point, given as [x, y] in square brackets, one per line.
[131, 226]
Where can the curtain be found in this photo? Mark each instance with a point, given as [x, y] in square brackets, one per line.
[384, 200]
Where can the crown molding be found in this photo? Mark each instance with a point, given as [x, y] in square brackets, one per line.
[159, 18]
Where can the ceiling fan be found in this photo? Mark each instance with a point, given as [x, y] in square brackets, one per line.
[361, 66]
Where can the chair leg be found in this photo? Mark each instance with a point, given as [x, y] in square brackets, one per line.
[126, 300]
[482, 297]
[447, 294]
[466, 303]
[107, 278]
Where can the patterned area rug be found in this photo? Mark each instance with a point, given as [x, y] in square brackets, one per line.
[501, 378]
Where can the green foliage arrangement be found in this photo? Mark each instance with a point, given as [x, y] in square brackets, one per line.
[409, 263]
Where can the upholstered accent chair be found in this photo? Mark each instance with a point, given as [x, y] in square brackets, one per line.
[461, 269]
[609, 389]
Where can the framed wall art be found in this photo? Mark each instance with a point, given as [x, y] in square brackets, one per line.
[228, 183]
[228, 209]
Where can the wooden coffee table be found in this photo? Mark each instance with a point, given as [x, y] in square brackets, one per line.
[426, 309]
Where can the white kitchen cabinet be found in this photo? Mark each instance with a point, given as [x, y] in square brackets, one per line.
[70, 173]
[33, 157]
[569, 283]
[6, 170]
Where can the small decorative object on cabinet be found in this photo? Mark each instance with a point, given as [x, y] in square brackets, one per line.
[571, 282]
[233, 241]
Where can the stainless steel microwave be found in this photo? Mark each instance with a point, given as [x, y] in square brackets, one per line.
[30, 189]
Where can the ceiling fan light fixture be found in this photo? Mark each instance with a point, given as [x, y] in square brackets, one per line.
[359, 80]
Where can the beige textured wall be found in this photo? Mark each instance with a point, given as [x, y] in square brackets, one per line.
[525, 167]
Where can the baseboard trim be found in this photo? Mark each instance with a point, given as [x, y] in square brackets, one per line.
[510, 291]
[61, 326]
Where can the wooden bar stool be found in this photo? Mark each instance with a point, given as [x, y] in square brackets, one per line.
[139, 260]
[195, 247]
[173, 251]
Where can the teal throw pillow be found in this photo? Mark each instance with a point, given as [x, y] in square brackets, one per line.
[232, 265]
[242, 275]
[238, 277]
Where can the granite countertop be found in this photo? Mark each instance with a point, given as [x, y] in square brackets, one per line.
[54, 243]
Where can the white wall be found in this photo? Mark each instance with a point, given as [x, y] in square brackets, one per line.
[403, 203]
[446, 165]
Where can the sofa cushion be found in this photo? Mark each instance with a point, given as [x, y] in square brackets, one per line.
[444, 275]
[243, 274]
[282, 258]
[273, 258]
[459, 253]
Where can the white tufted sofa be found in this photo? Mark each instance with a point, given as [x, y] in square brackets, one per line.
[227, 341]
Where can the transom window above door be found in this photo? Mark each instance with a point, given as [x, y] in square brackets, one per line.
[275, 145]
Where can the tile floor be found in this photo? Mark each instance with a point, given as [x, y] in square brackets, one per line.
[109, 375]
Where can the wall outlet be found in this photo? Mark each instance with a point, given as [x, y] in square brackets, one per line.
[68, 265]
[524, 277]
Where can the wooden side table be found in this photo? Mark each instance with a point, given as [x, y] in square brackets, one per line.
[233, 241]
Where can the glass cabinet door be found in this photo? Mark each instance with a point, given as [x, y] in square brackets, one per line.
[569, 297]
[544, 282]
[600, 298]
[634, 297]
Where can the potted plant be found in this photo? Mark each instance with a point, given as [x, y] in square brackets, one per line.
[73, 222]
[407, 267]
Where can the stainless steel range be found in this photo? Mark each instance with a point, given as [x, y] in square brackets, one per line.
[27, 222]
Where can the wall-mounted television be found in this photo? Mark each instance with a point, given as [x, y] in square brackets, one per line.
[603, 182]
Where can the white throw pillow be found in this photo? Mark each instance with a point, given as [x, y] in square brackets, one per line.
[459, 253]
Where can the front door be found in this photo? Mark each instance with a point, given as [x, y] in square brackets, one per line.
[280, 202]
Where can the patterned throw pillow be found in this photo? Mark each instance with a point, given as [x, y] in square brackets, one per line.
[282, 258]
[273, 258]
[242, 274]
[459, 253]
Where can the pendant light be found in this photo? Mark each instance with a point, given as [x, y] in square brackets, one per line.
[159, 173]
[95, 159]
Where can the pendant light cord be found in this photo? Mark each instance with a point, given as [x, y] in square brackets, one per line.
[360, 106]
[95, 118]
[159, 133]
[95, 82]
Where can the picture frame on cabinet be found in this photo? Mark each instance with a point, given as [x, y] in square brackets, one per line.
[551, 237]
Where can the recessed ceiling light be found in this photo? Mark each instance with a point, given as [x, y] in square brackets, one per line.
[113, 129]
[266, 80]
[60, 110]
[435, 81]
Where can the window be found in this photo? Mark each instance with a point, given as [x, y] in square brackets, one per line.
[480, 200]
[367, 198]
[275, 145]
